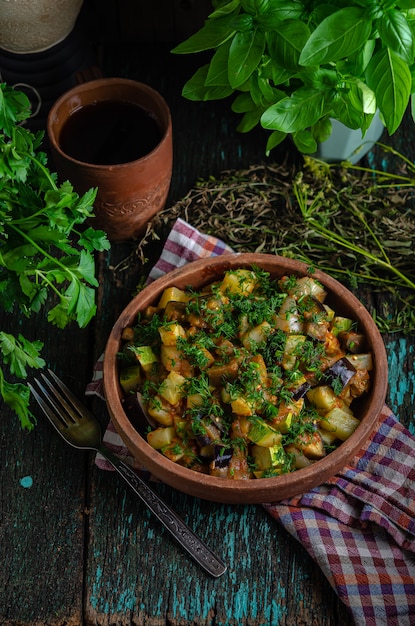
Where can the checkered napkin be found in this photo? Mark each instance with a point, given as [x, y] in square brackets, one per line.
[359, 526]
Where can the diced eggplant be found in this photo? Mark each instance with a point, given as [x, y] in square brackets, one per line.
[340, 372]
[137, 415]
[219, 373]
[206, 432]
[301, 391]
[222, 456]
[175, 311]
[352, 341]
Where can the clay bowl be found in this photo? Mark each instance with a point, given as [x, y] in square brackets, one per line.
[252, 491]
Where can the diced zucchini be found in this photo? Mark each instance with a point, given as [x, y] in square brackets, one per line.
[330, 313]
[256, 336]
[239, 282]
[323, 398]
[282, 421]
[225, 395]
[288, 318]
[174, 451]
[182, 428]
[170, 333]
[159, 409]
[266, 458]
[308, 286]
[161, 437]
[328, 437]
[145, 356]
[172, 388]
[241, 406]
[173, 361]
[311, 444]
[299, 458]
[361, 361]
[201, 357]
[292, 346]
[194, 400]
[170, 357]
[339, 422]
[130, 378]
[340, 324]
[172, 294]
[263, 434]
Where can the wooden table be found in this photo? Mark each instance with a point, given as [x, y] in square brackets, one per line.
[77, 547]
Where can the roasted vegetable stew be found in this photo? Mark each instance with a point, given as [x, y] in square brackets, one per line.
[250, 377]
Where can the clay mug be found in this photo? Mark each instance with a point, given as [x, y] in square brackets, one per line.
[114, 134]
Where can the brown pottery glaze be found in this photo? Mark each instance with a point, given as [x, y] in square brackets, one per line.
[272, 489]
[130, 193]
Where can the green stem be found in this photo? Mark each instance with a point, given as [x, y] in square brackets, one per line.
[44, 170]
[44, 252]
[362, 219]
[361, 251]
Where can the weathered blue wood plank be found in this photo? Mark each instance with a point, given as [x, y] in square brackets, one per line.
[401, 395]
[269, 574]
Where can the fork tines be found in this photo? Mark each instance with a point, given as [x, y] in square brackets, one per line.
[57, 401]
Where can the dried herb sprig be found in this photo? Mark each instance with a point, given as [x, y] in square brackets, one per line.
[354, 223]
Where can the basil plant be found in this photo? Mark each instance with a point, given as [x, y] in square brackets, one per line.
[295, 65]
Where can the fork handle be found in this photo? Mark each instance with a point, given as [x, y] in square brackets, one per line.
[169, 518]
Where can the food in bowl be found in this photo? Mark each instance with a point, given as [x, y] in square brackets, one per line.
[252, 376]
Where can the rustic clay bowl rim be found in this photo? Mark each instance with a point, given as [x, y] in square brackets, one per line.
[100, 84]
[256, 490]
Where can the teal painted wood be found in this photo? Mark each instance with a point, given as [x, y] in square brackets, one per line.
[269, 575]
[41, 526]
[401, 395]
[76, 547]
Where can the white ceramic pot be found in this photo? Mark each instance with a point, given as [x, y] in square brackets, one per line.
[346, 144]
[29, 26]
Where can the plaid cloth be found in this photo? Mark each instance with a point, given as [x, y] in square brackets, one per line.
[359, 526]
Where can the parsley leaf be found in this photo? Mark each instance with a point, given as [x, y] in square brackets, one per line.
[42, 254]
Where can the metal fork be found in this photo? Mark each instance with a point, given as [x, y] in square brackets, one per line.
[76, 424]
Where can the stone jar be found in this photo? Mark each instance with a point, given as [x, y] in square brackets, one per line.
[30, 26]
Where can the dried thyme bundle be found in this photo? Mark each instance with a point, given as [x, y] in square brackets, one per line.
[354, 223]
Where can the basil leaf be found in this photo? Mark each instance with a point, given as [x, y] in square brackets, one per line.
[225, 8]
[321, 131]
[245, 54]
[217, 75]
[396, 34]
[286, 10]
[196, 89]
[274, 140]
[243, 103]
[301, 110]
[286, 43]
[305, 142]
[211, 35]
[337, 36]
[390, 79]
[249, 120]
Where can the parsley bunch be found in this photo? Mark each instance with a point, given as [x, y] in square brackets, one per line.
[45, 262]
